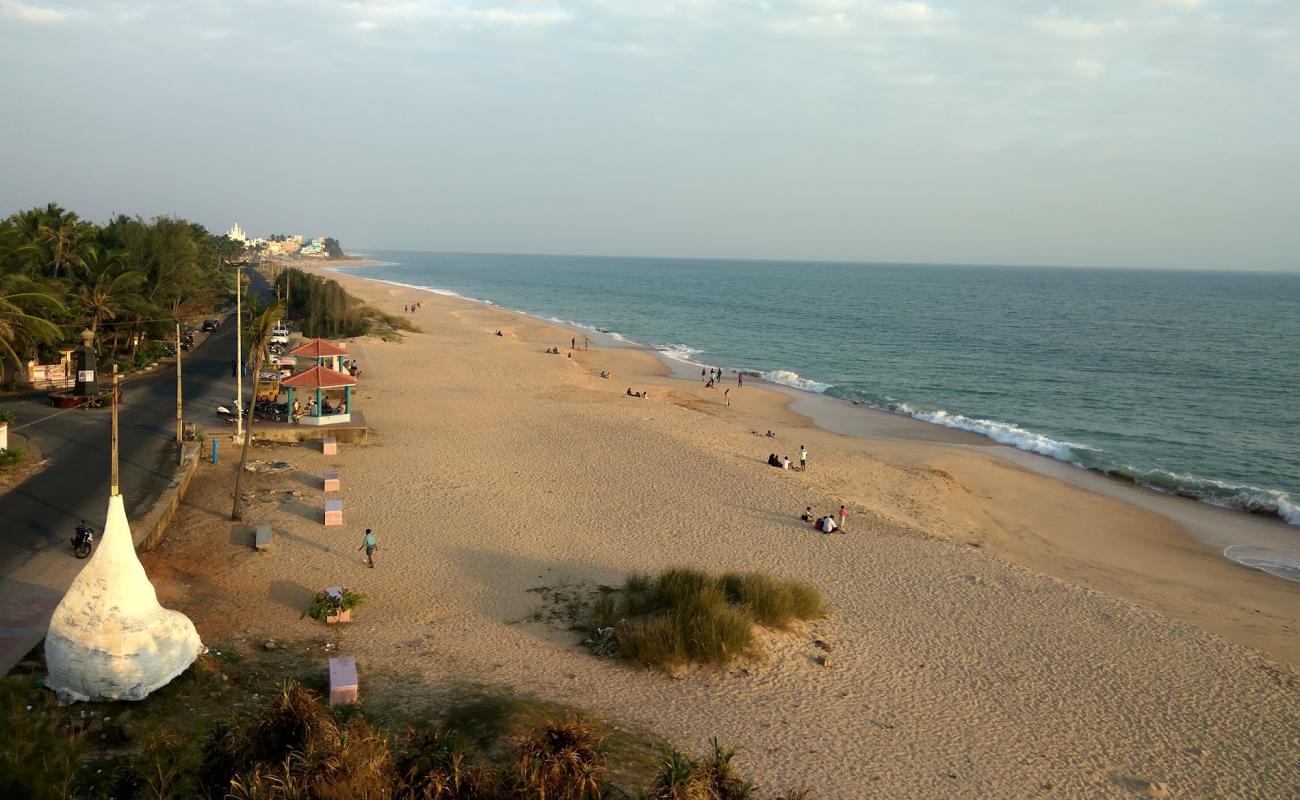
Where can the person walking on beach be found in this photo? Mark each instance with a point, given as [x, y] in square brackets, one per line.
[726, 397]
[703, 372]
[573, 343]
[803, 457]
[843, 514]
[369, 543]
[740, 379]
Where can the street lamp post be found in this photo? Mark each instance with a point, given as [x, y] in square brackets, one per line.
[239, 354]
[180, 425]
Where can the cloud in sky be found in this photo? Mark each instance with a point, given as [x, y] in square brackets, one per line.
[1155, 132]
[23, 12]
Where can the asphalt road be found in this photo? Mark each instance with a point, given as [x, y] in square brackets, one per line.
[37, 517]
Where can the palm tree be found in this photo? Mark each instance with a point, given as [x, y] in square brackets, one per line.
[103, 295]
[21, 331]
[68, 242]
[259, 336]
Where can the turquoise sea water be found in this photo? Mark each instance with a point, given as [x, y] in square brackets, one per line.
[1187, 382]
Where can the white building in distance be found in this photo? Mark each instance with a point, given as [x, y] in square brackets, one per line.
[236, 234]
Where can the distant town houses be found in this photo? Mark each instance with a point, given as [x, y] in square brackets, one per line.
[280, 245]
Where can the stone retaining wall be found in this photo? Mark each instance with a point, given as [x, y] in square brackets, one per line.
[150, 529]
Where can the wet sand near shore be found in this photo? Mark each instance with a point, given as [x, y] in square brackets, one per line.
[996, 631]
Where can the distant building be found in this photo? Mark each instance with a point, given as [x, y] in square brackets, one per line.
[285, 247]
[236, 234]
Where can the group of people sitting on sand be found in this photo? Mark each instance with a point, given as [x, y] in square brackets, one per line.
[780, 463]
[825, 523]
[631, 393]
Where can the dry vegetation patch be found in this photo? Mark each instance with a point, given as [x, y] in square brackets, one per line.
[687, 616]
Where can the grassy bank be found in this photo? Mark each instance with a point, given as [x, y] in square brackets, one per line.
[248, 722]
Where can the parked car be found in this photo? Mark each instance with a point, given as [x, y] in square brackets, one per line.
[211, 324]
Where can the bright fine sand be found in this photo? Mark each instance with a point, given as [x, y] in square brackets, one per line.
[995, 632]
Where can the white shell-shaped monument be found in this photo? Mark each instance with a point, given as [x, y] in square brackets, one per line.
[109, 638]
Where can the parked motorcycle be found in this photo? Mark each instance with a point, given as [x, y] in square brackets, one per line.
[83, 540]
[226, 415]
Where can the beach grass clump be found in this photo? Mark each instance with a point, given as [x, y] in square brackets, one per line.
[563, 760]
[294, 746]
[773, 603]
[435, 765]
[689, 616]
[681, 777]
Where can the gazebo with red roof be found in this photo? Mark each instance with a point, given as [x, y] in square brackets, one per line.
[320, 352]
[321, 380]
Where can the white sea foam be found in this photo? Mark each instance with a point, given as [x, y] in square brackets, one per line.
[679, 352]
[1282, 563]
[1002, 432]
[787, 378]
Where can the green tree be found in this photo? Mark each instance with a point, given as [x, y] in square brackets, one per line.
[21, 330]
[106, 291]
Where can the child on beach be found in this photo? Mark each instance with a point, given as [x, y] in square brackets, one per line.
[369, 543]
[803, 457]
[843, 514]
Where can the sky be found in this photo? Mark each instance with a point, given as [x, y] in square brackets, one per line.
[1147, 133]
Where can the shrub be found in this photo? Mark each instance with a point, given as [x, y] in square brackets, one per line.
[325, 605]
[562, 760]
[683, 778]
[11, 457]
[294, 747]
[775, 604]
[434, 766]
[6, 416]
[686, 615]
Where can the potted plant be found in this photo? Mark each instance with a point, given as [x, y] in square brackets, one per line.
[334, 605]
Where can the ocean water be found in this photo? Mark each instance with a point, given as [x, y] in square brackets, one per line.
[1185, 382]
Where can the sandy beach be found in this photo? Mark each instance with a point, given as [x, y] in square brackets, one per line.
[996, 631]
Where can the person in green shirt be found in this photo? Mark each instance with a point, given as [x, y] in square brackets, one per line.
[369, 544]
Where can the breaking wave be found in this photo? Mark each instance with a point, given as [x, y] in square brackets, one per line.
[787, 378]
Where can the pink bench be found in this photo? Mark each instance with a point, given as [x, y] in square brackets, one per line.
[343, 680]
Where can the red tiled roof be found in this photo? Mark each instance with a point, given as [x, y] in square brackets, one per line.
[317, 348]
[319, 378]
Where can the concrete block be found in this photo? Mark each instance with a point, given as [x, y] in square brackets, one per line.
[331, 482]
[262, 538]
[330, 446]
[333, 512]
[343, 680]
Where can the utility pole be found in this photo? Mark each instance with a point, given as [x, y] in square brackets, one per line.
[239, 354]
[179, 423]
[117, 380]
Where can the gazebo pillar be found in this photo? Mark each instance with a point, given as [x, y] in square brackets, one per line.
[347, 398]
[319, 404]
[288, 412]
